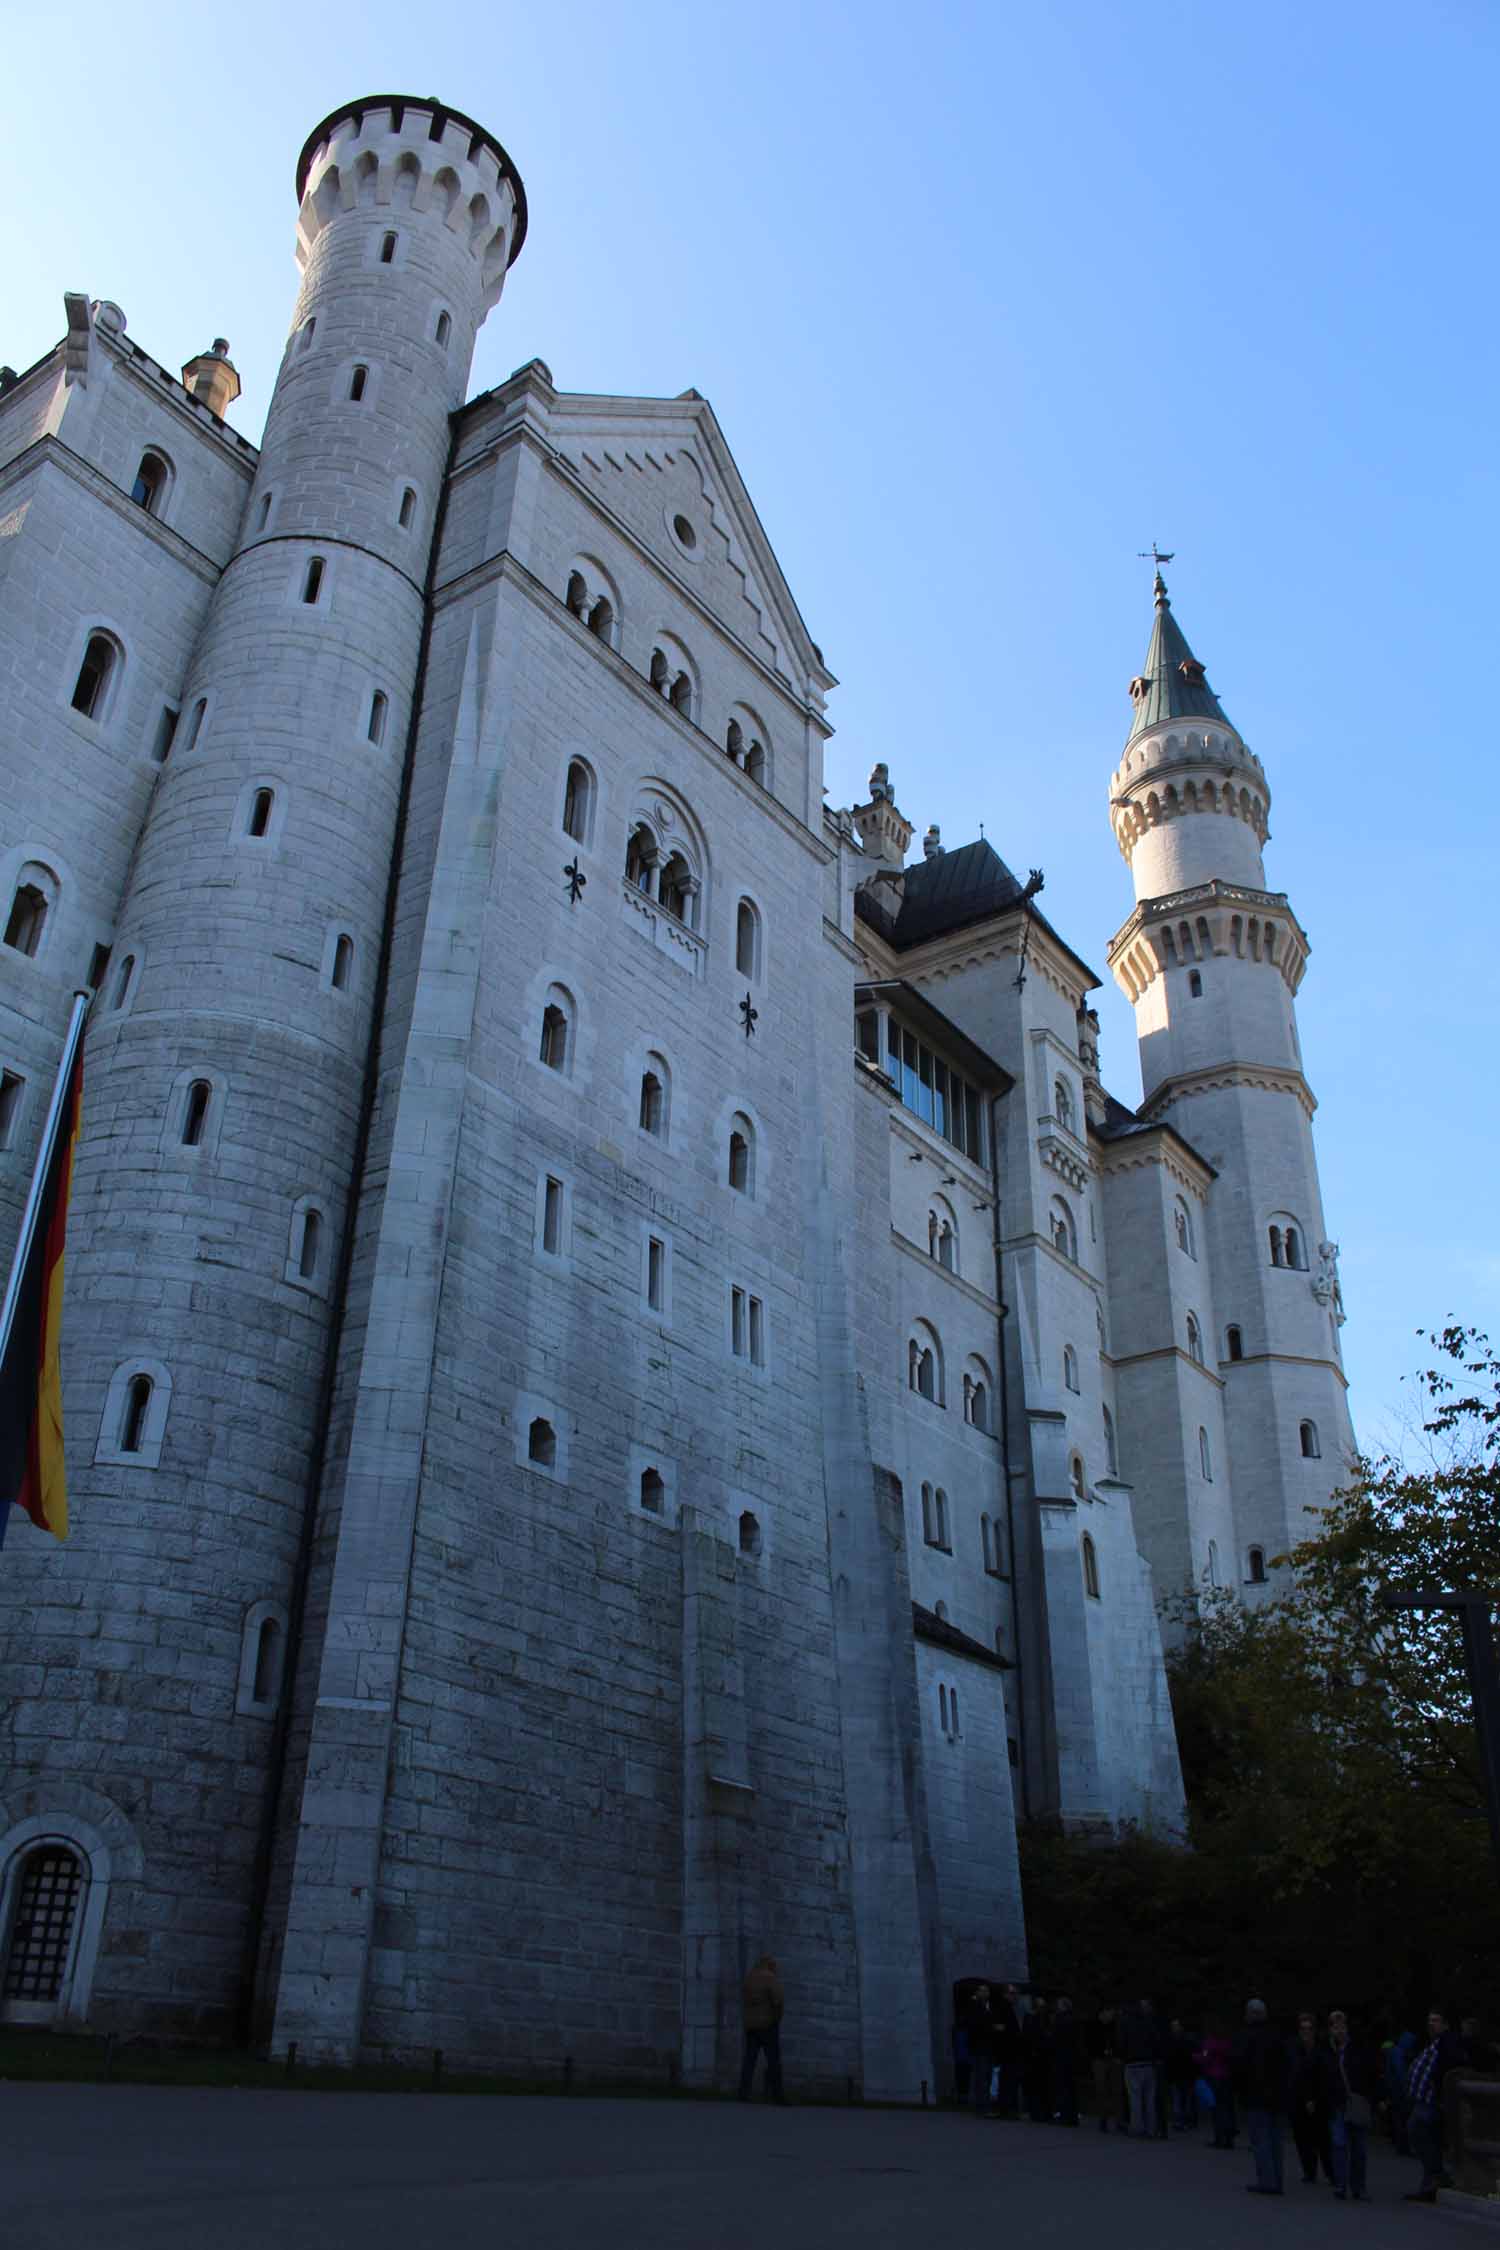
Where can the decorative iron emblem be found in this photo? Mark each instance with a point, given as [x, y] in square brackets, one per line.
[575, 879]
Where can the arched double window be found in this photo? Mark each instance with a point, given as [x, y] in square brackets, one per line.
[1287, 1242]
[942, 1234]
[592, 598]
[668, 872]
[745, 740]
[672, 677]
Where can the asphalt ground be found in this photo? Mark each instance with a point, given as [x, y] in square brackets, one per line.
[116, 2167]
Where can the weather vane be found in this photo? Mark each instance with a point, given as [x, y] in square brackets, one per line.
[1153, 554]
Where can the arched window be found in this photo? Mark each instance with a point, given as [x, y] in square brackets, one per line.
[578, 801]
[261, 806]
[375, 730]
[653, 1491]
[1182, 1225]
[343, 962]
[28, 914]
[1062, 1103]
[601, 621]
[641, 856]
[387, 249]
[123, 975]
[136, 1406]
[742, 1153]
[924, 1364]
[541, 1443]
[577, 595]
[1287, 1242]
[1194, 1339]
[749, 1533]
[678, 891]
[976, 1403]
[1062, 1228]
[1090, 1568]
[653, 1106]
[756, 762]
[151, 481]
[357, 382]
[681, 695]
[312, 580]
[1076, 1481]
[747, 940]
[1294, 1253]
[406, 513]
[940, 1510]
[304, 340]
[1205, 1457]
[1070, 1368]
[929, 1532]
[1307, 1436]
[195, 1112]
[96, 676]
[1235, 1343]
[734, 742]
[556, 1049]
[1111, 1450]
[444, 328]
[51, 1886]
[1257, 1562]
[942, 1234]
[943, 1708]
[1213, 1562]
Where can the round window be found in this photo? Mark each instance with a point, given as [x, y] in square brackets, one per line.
[685, 533]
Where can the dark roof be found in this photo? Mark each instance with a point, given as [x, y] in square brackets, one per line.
[1120, 1122]
[951, 889]
[928, 1626]
[1171, 683]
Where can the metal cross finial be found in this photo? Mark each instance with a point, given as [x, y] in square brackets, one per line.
[1153, 554]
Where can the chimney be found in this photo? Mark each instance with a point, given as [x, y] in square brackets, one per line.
[212, 378]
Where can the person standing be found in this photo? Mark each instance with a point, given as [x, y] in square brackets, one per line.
[1181, 2071]
[1213, 2058]
[1307, 2099]
[1260, 2079]
[1036, 2061]
[1008, 2052]
[1424, 2104]
[762, 2003]
[1140, 2050]
[1106, 2070]
[1352, 2085]
[1065, 2061]
[979, 2027]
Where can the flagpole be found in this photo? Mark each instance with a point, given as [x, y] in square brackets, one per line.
[34, 1193]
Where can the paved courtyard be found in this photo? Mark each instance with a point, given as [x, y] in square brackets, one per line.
[170, 2169]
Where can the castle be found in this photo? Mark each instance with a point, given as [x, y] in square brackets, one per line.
[630, 1395]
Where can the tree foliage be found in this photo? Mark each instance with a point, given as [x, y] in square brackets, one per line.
[1337, 1831]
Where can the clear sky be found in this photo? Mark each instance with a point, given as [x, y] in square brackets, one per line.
[986, 299]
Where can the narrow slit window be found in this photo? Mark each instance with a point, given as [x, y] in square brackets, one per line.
[343, 962]
[133, 1419]
[406, 514]
[267, 1660]
[749, 1533]
[444, 327]
[265, 511]
[653, 1104]
[357, 383]
[312, 583]
[757, 1333]
[123, 975]
[552, 1217]
[739, 1322]
[387, 249]
[312, 1241]
[260, 812]
[554, 1047]
[1090, 1568]
[1257, 1561]
[578, 792]
[656, 1273]
[166, 728]
[12, 1087]
[195, 1112]
[195, 723]
[376, 728]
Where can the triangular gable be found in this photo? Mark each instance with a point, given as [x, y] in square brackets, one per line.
[648, 459]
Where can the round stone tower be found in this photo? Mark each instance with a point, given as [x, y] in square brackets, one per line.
[226, 1072]
[1212, 961]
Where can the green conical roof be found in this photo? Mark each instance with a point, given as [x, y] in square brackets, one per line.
[1171, 684]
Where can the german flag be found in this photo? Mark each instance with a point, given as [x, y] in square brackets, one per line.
[31, 1431]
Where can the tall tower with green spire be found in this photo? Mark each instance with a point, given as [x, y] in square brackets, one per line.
[1211, 961]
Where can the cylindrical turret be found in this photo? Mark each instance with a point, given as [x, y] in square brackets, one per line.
[224, 1086]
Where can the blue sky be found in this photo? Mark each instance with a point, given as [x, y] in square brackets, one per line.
[986, 299]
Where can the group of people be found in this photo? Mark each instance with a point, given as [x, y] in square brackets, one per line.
[1151, 2075]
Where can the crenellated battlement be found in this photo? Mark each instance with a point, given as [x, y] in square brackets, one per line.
[388, 154]
[1180, 770]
